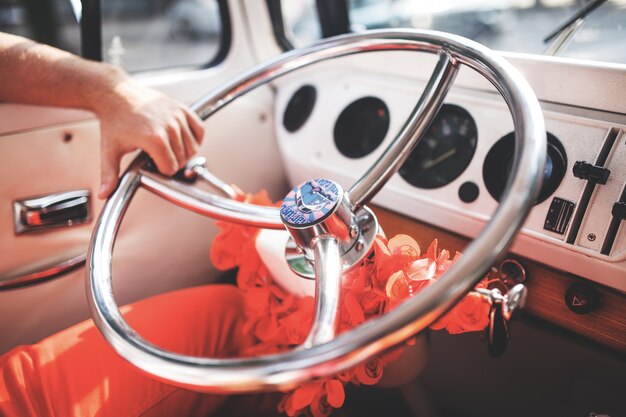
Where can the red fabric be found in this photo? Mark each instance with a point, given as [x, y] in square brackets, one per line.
[76, 373]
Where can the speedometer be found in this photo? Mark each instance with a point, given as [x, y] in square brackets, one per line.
[444, 152]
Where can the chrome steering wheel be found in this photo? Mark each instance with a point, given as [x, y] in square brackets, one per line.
[333, 235]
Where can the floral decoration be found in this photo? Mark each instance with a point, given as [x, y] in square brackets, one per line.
[277, 321]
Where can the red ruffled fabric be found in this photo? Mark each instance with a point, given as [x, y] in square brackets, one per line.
[279, 321]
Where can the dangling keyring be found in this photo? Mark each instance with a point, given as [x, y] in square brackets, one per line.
[325, 353]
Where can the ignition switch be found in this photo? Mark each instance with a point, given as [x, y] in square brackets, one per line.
[503, 308]
[507, 295]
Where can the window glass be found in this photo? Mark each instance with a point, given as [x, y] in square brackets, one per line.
[47, 21]
[508, 25]
[138, 35]
[301, 21]
[153, 34]
[602, 35]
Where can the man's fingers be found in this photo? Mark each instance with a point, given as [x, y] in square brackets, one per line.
[162, 154]
[176, 142]
[110, 168]
[195, 123]
[191, 146]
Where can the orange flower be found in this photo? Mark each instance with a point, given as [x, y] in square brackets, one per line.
[373, 302]
[397, 286]
[304, 396]
[422, 270]
[320, 397]
[404, 248]
[320, 406]
[369, 372]
[335, 393]
[469, 315]
[353, 308]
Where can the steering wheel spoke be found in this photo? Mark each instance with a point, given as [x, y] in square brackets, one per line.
[410, 134]
[196, 168]
[328, 272]
[208, 204]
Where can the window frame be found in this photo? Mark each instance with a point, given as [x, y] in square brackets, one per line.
[333, 15]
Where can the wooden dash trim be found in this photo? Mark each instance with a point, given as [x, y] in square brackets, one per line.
[546, 286]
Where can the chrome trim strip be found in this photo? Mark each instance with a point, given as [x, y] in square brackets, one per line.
[348, 349]
[45, 274]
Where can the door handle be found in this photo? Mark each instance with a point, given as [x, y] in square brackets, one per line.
[42, 213]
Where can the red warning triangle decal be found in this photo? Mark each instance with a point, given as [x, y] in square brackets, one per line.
[577, 303]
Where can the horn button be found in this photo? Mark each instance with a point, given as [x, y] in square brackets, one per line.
[320, 207]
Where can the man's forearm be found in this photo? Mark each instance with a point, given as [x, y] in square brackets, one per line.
[131, 115]
[39, 74]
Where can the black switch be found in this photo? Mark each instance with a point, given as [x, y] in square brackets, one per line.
[468, 192]
[619, 210]
[586, 171]
[559, 215]
[582, 299]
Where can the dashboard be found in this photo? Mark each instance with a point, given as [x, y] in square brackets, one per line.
[455, 176]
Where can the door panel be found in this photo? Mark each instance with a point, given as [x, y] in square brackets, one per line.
[161, 247]
[42, 162]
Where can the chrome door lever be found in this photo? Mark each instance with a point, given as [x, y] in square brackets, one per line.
[55, 210]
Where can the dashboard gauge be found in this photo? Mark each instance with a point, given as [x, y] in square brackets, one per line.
[499, 162]
[361, 127]
[444, 152]
[299, 108]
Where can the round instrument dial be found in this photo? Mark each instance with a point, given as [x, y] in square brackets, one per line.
[444, 152]
[499, 162]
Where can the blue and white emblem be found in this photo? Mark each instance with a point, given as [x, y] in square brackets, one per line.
[310, 202]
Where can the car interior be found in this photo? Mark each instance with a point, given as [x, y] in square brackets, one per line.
[499, 125]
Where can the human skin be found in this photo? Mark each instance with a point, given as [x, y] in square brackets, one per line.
[132, 116]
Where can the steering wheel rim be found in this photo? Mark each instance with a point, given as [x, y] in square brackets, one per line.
[330, 354]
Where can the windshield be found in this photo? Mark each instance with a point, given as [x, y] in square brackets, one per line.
[506, 25]
[602, 35]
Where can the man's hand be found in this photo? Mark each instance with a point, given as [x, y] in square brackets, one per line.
[131, 115]
[136, 117]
